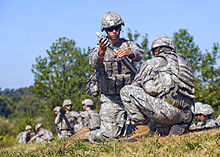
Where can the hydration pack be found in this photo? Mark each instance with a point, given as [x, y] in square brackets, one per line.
[174, 77]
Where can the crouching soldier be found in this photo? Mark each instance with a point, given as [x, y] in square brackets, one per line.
[203, 114]
[162, 90]
[66, 120]
[24, 136]
[43, 135]
[90, 118]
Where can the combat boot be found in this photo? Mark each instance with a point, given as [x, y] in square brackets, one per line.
[178, 129]
[141, 131]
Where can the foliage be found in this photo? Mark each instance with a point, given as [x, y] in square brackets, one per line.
[62, 74]
[186, 46]
[210, 79]
[143, 44]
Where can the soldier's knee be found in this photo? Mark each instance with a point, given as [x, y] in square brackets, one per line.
[125, 92]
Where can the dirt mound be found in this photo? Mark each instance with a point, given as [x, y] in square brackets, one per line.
[81, 135]
[140, 131]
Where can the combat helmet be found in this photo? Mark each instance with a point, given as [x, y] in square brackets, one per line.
[87, 102]
[200, 108]
[56, 108]
[67, 102]
[38, 126]
[28, 127]
[111, 19]
[163, 40]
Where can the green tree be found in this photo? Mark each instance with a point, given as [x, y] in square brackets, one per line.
[186, 46]
[62, 74]
[210, 79]
[5, 106]
[143, 44]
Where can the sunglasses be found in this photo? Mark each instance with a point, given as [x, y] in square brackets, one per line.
[114, 28]
[198, 115]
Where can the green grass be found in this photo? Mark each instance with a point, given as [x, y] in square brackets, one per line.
[204, 143]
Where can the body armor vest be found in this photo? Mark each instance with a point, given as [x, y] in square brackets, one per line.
[70, 119]
[92, 121]
[174, 79]
[113, 74]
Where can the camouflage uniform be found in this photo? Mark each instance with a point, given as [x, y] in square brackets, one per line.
[112, 75]
[90, 118]
[24, 136]
[162, 90]
[218, 119]
[71, 117]
[43, 135]
[205, 110]
[57, 125]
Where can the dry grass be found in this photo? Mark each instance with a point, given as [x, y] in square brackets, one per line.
[203, 143]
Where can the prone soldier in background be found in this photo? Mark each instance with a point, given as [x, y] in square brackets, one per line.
[43, 135]
[112, 74]
[24, 136]
[90, 118]
[203, 114]
[66, 119]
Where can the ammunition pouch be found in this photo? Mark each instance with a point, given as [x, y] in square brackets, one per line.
[113, 85]
[92, 87]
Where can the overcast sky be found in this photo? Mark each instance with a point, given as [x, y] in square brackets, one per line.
[28, 27]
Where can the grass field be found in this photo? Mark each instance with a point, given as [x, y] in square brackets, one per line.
[203, 143]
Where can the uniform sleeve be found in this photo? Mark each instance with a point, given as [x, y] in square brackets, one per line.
[94, 60]
[34, 137]
[57, 119]
[22, 137]
[137, 51]
[40, 133]
[83, 114]
[142, 73]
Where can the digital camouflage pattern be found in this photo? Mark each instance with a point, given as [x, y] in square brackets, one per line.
[200, 108]
[87, 102]
[162, 90]
[205, 110]
[91, 119]
[23, 137]
[163, 41]
[112, 75]
[38, 126]
[209, 123]
[43, 135]
[111, 19]
[28, 127]
[112, 115]
[67, 102]
[140, 105]
[62, 126]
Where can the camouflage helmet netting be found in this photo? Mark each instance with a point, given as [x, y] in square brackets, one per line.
[163, 40]
[200, 108]
[111, 19]
[88, 102]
